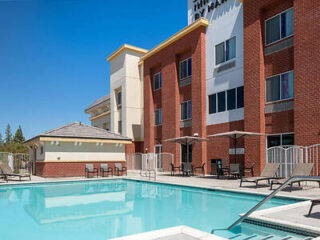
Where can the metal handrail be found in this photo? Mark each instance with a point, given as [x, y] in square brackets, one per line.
[287, 182]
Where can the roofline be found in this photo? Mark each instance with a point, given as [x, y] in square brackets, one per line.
[47, 138]
[90, 107]
[125, 47]
[202, 22]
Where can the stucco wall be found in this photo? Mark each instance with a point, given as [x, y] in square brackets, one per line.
[225, 22]
[99, 122]
[69, 152]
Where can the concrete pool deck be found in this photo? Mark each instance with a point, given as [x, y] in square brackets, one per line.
[293, 216]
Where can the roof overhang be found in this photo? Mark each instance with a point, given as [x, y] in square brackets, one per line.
[38, 139]
[126, 47]
[202, 22]
[99, 116]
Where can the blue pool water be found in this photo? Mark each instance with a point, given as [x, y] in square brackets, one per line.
[100, 210]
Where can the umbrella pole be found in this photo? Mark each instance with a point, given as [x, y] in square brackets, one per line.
[235, 150]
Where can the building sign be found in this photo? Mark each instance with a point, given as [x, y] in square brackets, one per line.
[232, 151]
[201, 7]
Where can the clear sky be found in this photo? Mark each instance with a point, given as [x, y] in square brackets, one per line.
[53, 53]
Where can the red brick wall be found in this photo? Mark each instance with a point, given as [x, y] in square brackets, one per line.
[66, 169]
[279, 122]
[134, 147]
[192, 45]
[307, 72]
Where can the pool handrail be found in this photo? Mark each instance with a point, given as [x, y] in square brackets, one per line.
[271, 195]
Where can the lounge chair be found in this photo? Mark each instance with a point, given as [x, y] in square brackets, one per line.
[119, 169]
[268, 173]
[301, 169]
[187, 169]
[173, 169]
[91, 169]
[314, 202]
[201, 168]
[7, 172]
[104, 168]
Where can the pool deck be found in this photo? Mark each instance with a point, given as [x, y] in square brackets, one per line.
[294, 215]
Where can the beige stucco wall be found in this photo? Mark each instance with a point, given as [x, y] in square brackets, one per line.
[68, 151]
[125, 75]
[100, 121]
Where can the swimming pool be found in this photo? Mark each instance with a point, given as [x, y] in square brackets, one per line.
[105, 209]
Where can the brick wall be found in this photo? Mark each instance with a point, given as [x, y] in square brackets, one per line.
[66, 169]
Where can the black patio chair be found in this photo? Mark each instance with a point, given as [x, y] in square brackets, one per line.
[201, 168]
[173, 169]
[104, 168]
[91, 169]
[119, 170]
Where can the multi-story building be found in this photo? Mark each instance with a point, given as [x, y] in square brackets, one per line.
[126, 95]
[237, 66]
[100, 113]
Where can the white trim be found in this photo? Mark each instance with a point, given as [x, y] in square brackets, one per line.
[265, 27]
[265, 87]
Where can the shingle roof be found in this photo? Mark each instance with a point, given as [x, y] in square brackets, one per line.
[97, 102]
[80, 130]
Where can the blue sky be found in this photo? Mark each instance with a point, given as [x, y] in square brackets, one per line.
[53, 53]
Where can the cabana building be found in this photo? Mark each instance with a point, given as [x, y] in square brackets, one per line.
[64, 151]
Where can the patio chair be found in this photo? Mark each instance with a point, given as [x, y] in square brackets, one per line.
[201, 168]
[268, 173]
[119, 169]
[104, 168]
[91, 169]
[7, 172]
[301, 169]
[187, 169]
[249, 169]
[235, 170]
[314, 202]
[173, 169]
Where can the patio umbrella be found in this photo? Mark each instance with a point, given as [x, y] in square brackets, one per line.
[235, 135]
[186, 140]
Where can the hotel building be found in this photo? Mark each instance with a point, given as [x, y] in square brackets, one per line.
[237, 66]
[100, 113]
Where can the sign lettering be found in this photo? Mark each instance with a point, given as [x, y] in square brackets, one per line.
[201, 6]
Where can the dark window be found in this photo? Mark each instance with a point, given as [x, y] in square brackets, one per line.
[226, 51]
[287, 139]
[273, 89]
[280, 87]
[119, 100]
[185, 69]
[240, 97]
[120, 127]
[231, 99]
[279, 26]
[157, 81]
[221, 101]
[280, 140]
[273, 141]
[213, 103]
[186, 111]
[158, 117]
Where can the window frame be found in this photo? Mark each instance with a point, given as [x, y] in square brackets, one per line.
[225, 52]
[153, 81]
[119, 105]
[265, 28]
[188, 76]
[186, 102]
[226, 100]
[154, 117]
[280, 100]
[281, 136]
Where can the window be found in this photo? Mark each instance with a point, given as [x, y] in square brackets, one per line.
[279, 26]
[221, 101]
[185, 69]
[186, 110]
[157, 81]
[286, 139]
[226, 100]
[158, 117]
[120, 127]
[119, 99]
[226, 51]
[213, 103]
[280, 87]
[41, 150]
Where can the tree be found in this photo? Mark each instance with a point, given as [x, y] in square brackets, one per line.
[8, 133]
[18, 137]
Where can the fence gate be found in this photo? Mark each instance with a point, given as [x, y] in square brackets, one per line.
[134, 161]
[288, 157]
[312, 155]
